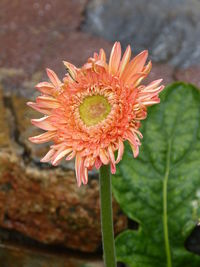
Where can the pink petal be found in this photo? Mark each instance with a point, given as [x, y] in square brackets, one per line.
[46, 88]
[152, 86]
[78, 168]
[101, 63]
[135, 149]
[103, 156]
[151, 102]
[149, 95]
[125, 59]
[42, 138]
[135, 79]
[95, 55]
[115, 57]
[102, 55]
[61, 155]
[71, 155]
[47, 102]
[136, 65]
[44, 123]
[147, 68]
[48, 156]
[133, 141]
[85, 176]
[89, 161]
[134, 131]
[113, 168]
[88, 66]
[54, 78]
[98, 163]
[38, 108]
[71, 69]
[112, 159]
[120, 151]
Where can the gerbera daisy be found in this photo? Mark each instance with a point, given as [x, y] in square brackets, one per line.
[95, 109]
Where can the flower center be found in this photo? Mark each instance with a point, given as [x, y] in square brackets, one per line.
[94, 109]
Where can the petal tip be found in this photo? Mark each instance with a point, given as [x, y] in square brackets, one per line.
[29, 103]
[48, 71]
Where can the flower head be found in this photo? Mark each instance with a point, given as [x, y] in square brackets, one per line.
[95, 109]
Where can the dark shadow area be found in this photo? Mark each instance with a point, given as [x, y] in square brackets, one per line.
[192, 243]
[11, 238]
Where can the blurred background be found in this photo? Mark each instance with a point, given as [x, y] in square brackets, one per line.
[45, 220]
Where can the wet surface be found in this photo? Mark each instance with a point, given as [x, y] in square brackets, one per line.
[12, 255]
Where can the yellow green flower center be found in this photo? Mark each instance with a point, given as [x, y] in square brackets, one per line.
[94, 109]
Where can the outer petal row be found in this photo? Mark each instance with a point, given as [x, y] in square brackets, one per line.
[148, 95]
[81, 171]
[131, 72]
[44, 123]
[115, 57]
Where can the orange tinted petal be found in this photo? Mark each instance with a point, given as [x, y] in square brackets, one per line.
[43, 138]
[135, 79]
[117, 85]
[48, 156]
[71, 69]
[102, 55]
[47, 102]
[112, 159]
[98, 163]
[79, 164]
[60, 155]
[115, 57]
[136, 65]
[85, 176]
[147, 68]
[120, 151]
[125, 59]
[103, 156]
[53, 78]
[35, 106]
[46, 88]
[43, 123]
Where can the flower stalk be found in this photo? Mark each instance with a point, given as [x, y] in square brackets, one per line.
[107, 217]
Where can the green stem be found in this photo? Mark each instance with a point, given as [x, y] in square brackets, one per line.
[107, 217]
[165, 219]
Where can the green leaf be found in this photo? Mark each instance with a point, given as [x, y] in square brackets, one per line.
[161, 188]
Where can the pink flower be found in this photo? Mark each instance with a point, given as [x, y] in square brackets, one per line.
[95, 109]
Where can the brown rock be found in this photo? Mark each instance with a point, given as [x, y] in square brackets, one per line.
[4, 130]
[22, 115]
[189, 75]
[27, 27]
[45, 203]
[33, 37]
[19, 256]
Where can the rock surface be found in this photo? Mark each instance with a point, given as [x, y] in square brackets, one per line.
[169, 29]
[189, 75]
[33, 36]
[17, 256]
[42, 202]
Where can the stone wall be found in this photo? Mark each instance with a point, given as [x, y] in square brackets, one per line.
[41, 201]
